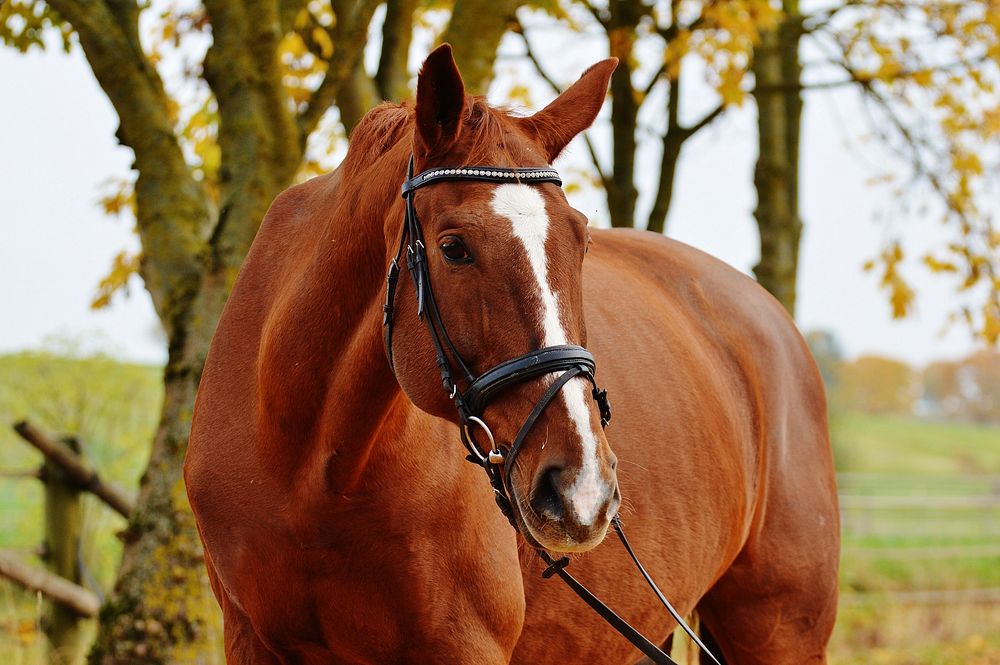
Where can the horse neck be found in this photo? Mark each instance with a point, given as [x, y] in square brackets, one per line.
[325, 389]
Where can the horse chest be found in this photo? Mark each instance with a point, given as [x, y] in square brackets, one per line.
[372, 586]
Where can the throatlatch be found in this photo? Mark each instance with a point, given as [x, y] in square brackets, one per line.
[570, 361]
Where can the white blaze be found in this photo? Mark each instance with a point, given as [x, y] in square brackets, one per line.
[525, 208]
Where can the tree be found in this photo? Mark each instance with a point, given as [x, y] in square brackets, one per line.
[873, 384]
[967, 389]
[927, 70]
[829, 355]
[928, 73]
[212, 148]
[720, 34]
[777, 73]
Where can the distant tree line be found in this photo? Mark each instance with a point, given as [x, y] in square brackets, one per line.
[966, 390]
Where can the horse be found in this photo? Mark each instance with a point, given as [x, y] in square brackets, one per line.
[340, 521]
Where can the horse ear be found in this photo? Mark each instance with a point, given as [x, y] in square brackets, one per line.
[440, 103]
[573, 111]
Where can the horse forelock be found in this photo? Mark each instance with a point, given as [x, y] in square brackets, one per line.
[386, 132]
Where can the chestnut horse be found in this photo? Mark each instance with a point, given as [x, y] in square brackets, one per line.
[340, 520]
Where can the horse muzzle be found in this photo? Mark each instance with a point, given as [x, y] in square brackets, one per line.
[568, 510]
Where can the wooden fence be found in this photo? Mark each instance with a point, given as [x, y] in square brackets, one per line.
[66, 475]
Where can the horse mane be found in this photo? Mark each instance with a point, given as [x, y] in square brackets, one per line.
[387, 131]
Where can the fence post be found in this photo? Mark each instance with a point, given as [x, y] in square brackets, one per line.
[66, 630]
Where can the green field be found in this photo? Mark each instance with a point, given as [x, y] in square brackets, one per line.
[921, 513]
[920, 567]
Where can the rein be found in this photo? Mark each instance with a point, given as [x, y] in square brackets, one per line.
[570, 360]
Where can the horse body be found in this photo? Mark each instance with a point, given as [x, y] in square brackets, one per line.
[341, 523]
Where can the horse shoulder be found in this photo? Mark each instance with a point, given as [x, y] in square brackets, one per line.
[220, 470]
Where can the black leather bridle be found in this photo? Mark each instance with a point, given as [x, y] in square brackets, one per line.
[569, 361]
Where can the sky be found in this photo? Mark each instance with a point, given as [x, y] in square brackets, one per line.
[57, 149]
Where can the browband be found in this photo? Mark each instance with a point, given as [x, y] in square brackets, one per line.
[482, 174]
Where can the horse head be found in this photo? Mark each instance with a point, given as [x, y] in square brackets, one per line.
[504, 262]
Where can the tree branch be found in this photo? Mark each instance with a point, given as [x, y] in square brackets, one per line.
[350, 33]
[708, 119]
[673, 139]
[529, 52]
[653, 81]
[172, 208]
[596, 13]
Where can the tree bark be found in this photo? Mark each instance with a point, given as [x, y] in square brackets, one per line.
[777, 70]
[393, 76]
[356, 98]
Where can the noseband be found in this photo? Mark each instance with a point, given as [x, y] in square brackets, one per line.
[570, 360]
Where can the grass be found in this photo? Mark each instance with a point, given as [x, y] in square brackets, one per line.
[921, 548]
[114, 408]
[908, 449]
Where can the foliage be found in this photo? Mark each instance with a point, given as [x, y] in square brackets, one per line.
[873, 384]
[652, 40]
[929, 72]
[966, 389]
[25, 24]
[828, 354]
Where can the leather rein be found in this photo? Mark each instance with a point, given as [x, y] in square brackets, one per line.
[569, 361]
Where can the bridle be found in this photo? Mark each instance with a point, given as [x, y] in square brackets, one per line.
[569, 361]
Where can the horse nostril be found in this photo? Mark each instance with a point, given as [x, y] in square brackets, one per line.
[545, 499]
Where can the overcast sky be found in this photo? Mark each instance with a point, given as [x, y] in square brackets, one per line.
[58, 147]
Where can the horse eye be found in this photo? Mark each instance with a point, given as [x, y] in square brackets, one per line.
[455, 251]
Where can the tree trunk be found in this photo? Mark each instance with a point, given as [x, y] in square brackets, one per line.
[620, 185]
[777, 70]
[356, 98]
[393, 76]
[673, 140]
[474, 32]
[162, 610]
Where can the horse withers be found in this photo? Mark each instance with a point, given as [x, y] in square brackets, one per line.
[340, 519]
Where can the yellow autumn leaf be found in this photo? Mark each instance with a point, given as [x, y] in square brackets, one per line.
[519, 94]
[939, 266]
[730, 88]
[900, 297]
[123, 267]
[923, 77]
[322, 38]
